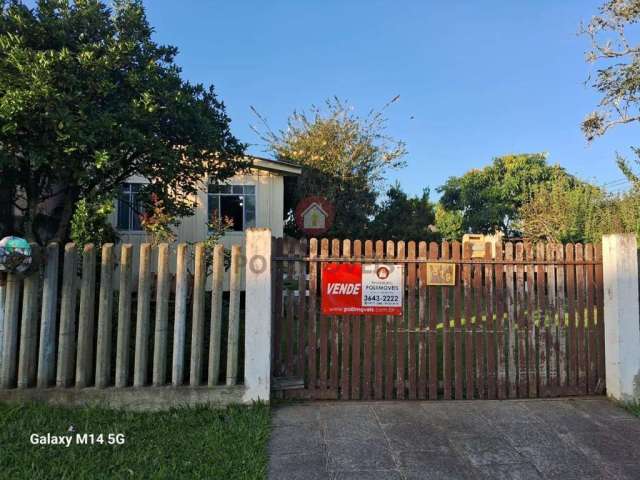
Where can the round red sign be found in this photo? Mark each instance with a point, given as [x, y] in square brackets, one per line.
[314, 215]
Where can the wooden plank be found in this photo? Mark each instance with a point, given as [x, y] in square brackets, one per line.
[500, 292]
[279, 319]
[552, 328]
[402, 335]
[324, 330]
[301, 273]
[233, 338]
[423, 366]
[312, 372]
[572, 353]
[580, 319]
[29, 331]
[161, 329]
[356, 339]
[180, 317]
[86, 325]
[389, 352]
[123, 341]
[446, 333]
[512, 321]
[468, 326]
[367, 367]
[417, 379]
[197, 316]
[9, 364]
[141, 357]
[592, 376]
[67, 335]
[289, 307]
[543, 332]
[47, 347]
[522, 331]
[599, 319]
[433, 330]
[479, 327]
[490, 322]
[345, 374]
[105, 318]
[563, 361]
[334, 338]
[379, 340]
[532, 363]
[215, 337]
[456, 254]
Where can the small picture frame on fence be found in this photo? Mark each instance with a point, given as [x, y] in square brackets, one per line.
[441, 274]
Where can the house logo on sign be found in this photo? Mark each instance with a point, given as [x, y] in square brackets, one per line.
[382, 273]
[314, 215]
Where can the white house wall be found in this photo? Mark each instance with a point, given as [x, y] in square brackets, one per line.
[269, 213]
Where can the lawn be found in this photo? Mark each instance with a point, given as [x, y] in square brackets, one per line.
[634, 408]
[199, 442]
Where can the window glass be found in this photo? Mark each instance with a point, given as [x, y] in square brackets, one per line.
[250, 211]
[250, 189]
[129, 207]
[231, 206]
[214, 207]
[124, 210]
[237, 189]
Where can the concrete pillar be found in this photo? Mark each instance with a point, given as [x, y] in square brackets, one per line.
[621, 316]
[257, 347]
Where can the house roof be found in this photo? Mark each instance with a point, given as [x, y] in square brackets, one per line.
[276, 166]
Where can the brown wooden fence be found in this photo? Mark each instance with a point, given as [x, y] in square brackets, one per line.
[525, 321]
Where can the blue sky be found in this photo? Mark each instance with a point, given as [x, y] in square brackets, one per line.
[475, 79]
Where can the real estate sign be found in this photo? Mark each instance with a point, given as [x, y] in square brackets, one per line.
[362, 289]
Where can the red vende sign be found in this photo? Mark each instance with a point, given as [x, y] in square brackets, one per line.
[343, 292]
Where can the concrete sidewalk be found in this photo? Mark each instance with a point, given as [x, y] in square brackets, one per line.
[520, 439]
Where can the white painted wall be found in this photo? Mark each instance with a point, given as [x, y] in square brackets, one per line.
[621, 316]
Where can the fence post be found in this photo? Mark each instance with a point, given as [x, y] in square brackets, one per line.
[29, 331]
[86, 325]
[233, 333]
[47, 348]
[257, 339]
[67, 332]
[8, 373]
[621, 316]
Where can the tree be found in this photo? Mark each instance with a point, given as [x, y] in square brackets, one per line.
[345, 159]
[617, 77]
[401, 217]
[449, 223]
[488, 199]
[87, 100]
[566, 210]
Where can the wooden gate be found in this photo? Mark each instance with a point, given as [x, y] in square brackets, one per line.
[525, 321]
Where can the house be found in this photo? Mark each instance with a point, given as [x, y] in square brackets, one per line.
[254, 198]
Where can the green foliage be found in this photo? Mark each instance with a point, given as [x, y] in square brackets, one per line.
[182, 443]
[157, 222]
[90, 223]
[216, 229]
[401, 217]
[566, 210]
[345, 157]
[617, 76]
[489, 199]
[449, 223]
[88, 99]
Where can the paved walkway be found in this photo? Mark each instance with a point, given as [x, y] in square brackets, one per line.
[529, 439]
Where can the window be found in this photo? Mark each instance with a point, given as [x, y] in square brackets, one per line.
[129, 208]
[237, 202]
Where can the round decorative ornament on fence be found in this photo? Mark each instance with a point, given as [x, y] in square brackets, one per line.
[16, 255]
[314, 215]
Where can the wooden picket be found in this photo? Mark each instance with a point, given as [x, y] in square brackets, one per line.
[523, 321]
[104, 297]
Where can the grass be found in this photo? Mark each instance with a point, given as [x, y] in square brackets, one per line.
[198, 442]
[634, 408]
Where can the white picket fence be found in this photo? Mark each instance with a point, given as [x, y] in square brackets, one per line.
[152, 334]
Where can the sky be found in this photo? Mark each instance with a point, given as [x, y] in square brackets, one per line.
[476, 79]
